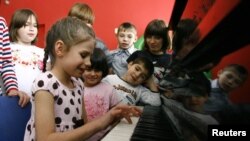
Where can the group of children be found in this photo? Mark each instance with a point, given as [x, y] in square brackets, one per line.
[86, 87]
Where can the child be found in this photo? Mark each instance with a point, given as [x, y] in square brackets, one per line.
[156, 43]
[99, 97]
[126, 37]
[8, 81]
[185, 37]
[198, 91]
[229, 78]
[129, 88]
[57, 107]
[27, 57]
[85, 13]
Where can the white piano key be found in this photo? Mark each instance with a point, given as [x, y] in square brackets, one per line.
[122, 131]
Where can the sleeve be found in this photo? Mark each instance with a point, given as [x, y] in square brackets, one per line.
[6, 66]
[113, 98]
[46, 82]
[149, 97]
[106, 80]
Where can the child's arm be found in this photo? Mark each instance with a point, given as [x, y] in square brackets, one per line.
[149, 97]
[9, 76]
[7, 71]
[44, 119]
[150, 83]
[84, 112]
[23, 97]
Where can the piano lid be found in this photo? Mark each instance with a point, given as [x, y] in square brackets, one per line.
[223, 27]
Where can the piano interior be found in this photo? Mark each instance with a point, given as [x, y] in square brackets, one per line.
[223, 31]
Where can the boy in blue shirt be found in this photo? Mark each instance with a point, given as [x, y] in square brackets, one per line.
[229, 78]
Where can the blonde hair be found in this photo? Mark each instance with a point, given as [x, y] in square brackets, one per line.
[82, 11]
[127, 26]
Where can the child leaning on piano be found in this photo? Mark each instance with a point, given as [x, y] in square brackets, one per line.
[129, 86]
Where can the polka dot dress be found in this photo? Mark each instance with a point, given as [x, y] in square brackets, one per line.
[67, 104]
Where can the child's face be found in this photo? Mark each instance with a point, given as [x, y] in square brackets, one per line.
[28, 32]
[194, 103]
[92, 77]
[229, 80]
[77, 59]
[126, 38]
[136, 74]
[155, 44]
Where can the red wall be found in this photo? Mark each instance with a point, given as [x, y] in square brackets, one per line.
[110, 13]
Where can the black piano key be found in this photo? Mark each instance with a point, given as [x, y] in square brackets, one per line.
[153, 126]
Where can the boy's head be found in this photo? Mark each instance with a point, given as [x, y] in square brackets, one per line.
[232, 77]
[198, 92]
[83, 12]
[126, 35]
[139, 70]
[97, 70]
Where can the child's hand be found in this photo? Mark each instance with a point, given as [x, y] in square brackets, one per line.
[150, 83]
[23, 97]
[168, 93]
[117, 113]
[125, 111]
[12, 93]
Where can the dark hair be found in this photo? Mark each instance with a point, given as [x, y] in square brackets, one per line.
[18, 20]
[71, 31]
[99, 62]
[185, 33]
[240, 70]
[148, 65]
[157, 28]
[200, 85]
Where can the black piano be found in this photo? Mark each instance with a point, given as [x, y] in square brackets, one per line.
[155, 124]
[169, 122]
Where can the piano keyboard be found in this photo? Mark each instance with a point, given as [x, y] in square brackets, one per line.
[122, 131]
[151, 126]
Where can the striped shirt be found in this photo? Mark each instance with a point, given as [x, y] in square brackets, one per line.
[8, 79]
